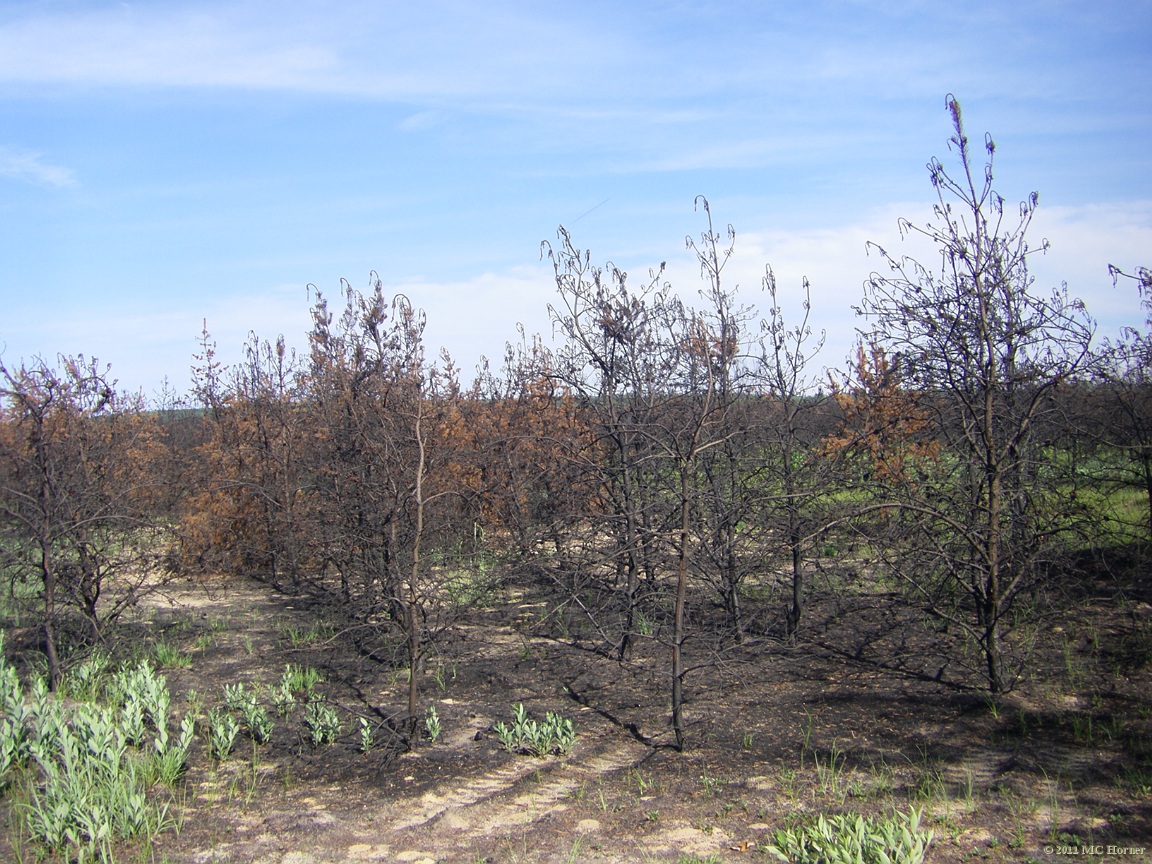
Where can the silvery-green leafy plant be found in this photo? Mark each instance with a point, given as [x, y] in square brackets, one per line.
[223, 728]
[322, 722]
[254, 716]
[283, 699]
[432, 724]
[86, 788]
[143, 696]
[295, 679]
[237, 697]
[259, 723]
[168, 765]
[854, 839]
[367, 737]
[555, 734]
[85, 682]
[15, 718]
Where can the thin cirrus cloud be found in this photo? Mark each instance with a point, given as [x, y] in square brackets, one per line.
[30, 167]
[237, 146]
[391, 51]
[549, 74]
[495, 58]
[117, 47]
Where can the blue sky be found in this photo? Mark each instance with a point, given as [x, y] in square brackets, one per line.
[162, 163]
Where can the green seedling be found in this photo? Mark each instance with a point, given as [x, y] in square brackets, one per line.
[847, 837]
[86, 788]
[258, 722]
[432, 724]
[367, 738]
[299, 679]
[322, 722]
[555, 734]
[222, 731]
[712, 785]
[171, 657]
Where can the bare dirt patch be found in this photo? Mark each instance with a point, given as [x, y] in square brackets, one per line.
[842, 722]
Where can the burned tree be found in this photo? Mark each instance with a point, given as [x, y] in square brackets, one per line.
[78, 495]
[980, 354]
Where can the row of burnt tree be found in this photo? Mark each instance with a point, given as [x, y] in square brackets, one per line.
[664, 457]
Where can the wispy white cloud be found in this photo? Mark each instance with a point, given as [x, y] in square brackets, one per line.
[472, 317]
[30, 167]
[835, 260]
[806, 115]
[394, 50]
[501, 56]
[475, 316]
[421, 120]
[642, 83]
[123, 46]
[1084, 241]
